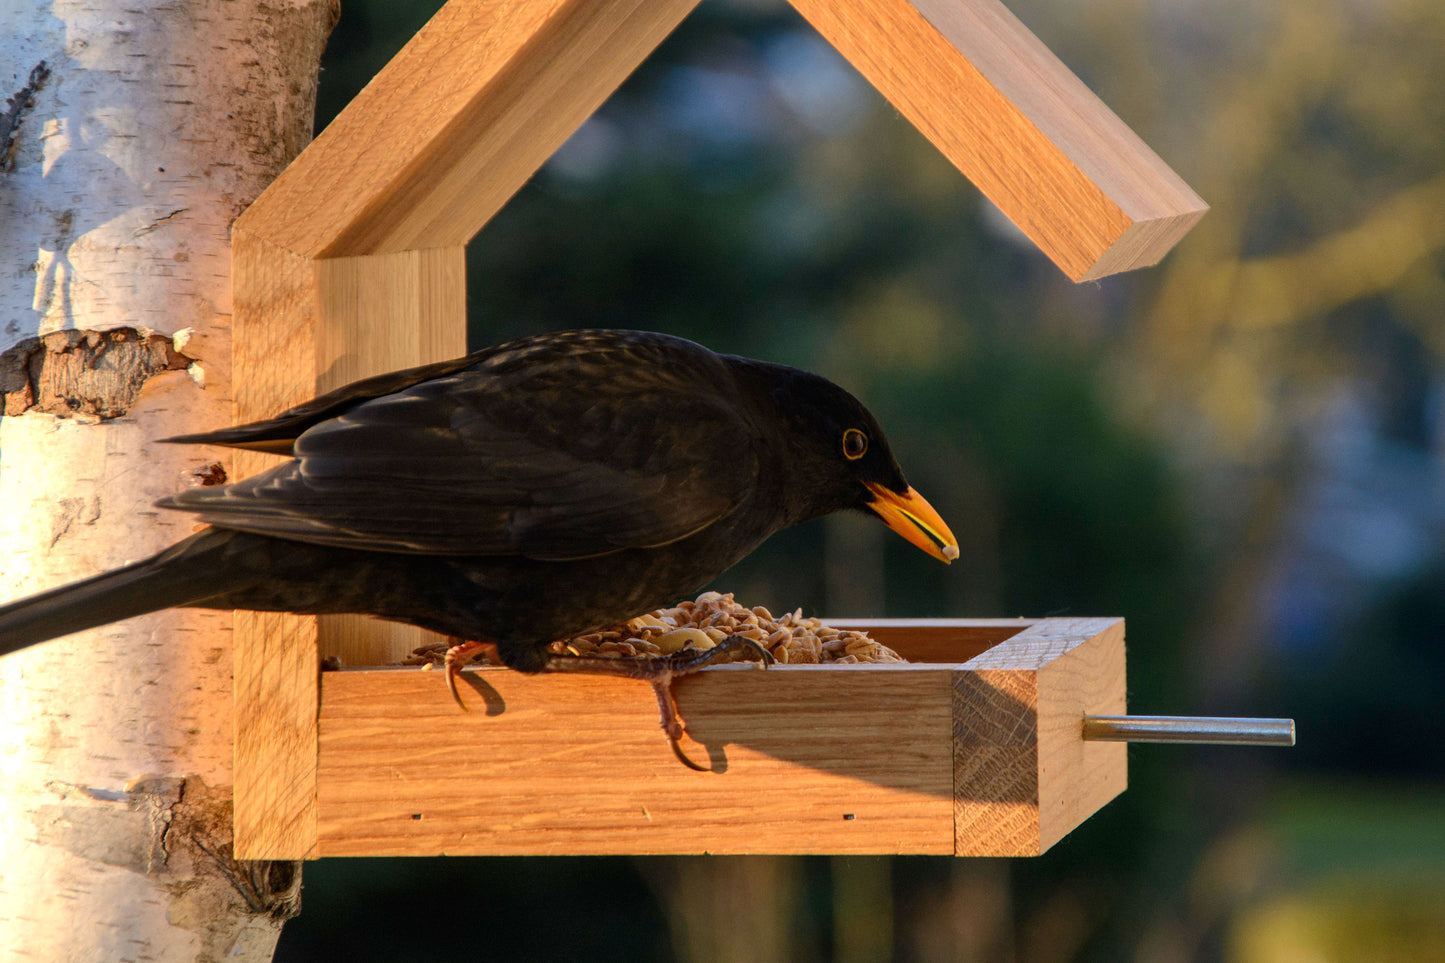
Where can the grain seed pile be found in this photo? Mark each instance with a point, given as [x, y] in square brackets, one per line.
[703, 623]
[706, 621]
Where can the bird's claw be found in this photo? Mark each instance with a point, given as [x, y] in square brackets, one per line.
[671, 720]
[682, 757]
[764, 656]
[657, 672]
[687, 662]
[457, 657]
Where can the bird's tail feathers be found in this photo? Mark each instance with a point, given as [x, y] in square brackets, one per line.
[187, 572]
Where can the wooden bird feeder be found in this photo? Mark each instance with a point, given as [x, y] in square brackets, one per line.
[352, 263]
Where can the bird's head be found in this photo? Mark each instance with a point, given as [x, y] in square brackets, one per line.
[839, 458]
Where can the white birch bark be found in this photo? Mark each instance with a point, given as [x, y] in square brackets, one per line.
[140, 131]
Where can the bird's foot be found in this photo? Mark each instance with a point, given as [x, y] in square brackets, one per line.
[458, 656]
[660, 673]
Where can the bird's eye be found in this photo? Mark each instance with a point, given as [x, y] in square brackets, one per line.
[855, 444]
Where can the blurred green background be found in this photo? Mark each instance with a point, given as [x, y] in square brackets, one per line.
[1241, 451]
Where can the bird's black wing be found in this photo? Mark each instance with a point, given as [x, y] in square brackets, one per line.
[565, 447]
[277, 435]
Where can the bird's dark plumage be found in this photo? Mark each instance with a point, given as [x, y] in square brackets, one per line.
[528, 492]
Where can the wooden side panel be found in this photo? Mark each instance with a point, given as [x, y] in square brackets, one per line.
[1076, 778]
[1020, 125]
[379, 313]
[457, 122]
[274, 358]
[302, 327]
[389, 311]
[995, 746]
[1024, 777]
[983, 758]
[273, 346]
[816, 759]
[276, 697]
[942, 641]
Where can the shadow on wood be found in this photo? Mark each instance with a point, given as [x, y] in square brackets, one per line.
[980, 757]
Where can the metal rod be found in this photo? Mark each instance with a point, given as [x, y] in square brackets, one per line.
[1197, 729]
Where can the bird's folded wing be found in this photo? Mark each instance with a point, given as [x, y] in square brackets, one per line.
[481, 465]
[277, 435]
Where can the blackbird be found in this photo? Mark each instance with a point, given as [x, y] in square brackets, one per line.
[525, 493]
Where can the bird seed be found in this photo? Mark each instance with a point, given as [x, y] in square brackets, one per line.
[703, 623]
[713, 616]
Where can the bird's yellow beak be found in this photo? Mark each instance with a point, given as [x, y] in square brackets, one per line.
[911, 516]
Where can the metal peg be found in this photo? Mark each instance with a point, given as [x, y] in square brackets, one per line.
[1197, 729]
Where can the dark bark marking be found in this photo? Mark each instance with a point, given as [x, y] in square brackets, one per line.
[202, 818]
[126, 829]
[16, 108]
[142, 827]
[97, 373]
[207, 475]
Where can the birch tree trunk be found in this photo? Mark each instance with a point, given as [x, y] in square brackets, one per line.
[133, 135]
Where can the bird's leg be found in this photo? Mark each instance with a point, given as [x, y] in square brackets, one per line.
[660, 673]
[459, 655]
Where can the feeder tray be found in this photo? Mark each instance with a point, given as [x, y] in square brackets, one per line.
[352, 263]
[976, 749]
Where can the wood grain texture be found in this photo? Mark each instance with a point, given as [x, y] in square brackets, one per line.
[1076, 778]
[995, 745]
[937, 640]
[275, 659]
[1024, 777]
[457, 122]
[273, 347]
[1020, 125]
[376, 314]
[389, 311]
[276, 736]
[551, 765]
[579, 765]
[302, 327]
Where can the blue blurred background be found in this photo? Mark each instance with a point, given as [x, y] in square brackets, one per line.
[1241, 451]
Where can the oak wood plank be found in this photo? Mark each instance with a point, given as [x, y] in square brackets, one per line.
[458, 121]
[303, 327]
[379, 313]
[1024, 777]
[995, 745]
[578, 765]
[1028, 133]
[275, 660]
[818, 759]
[1076, 778]
[936, 640]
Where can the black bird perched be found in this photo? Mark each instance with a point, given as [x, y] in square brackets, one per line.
[528, 492]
